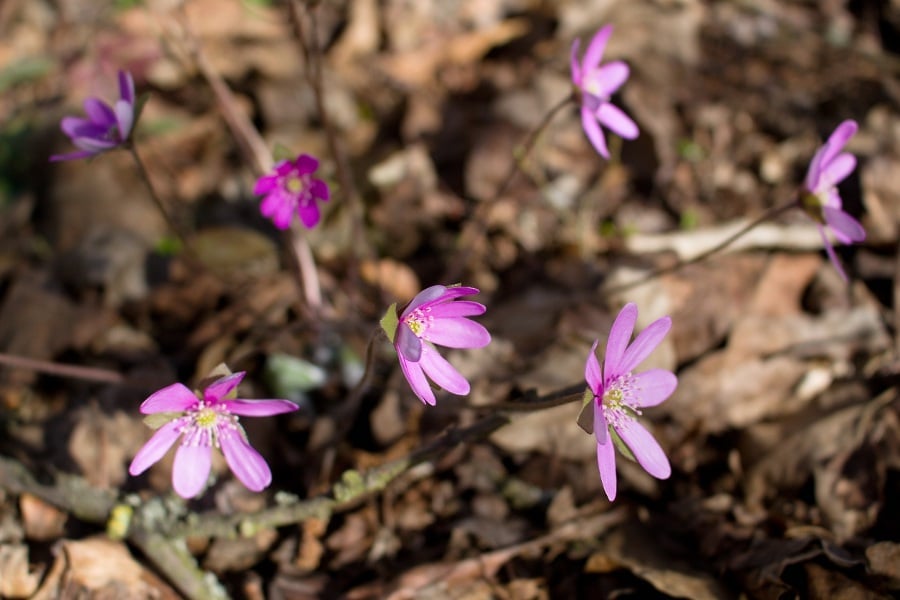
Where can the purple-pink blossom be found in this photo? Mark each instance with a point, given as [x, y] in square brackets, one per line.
[205, 421]
[617, 395]
[291, 188]
[820, 198]
[435, 316]
[595, 85]
[106, 127]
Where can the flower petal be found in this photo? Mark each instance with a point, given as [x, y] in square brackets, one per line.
[265, 184]
[645, 448]
[617, 343]
[573, 59]
[124, 119]
[245, 462]
[278, 207]
[610, 78]
[838, 169]
[100, 112]
[592, 371]
[429, 294]
[606, 464]
[71, 156]
[191, 469]
[593, 132]
[156, 447]
[259, 408]
[305, 164]
[460, 308]
[832, 256]
[126, 87]
[457, 333]
[644, 344]
[442, 372]
[319, 189]
[408, 343]
[416, 379]
[308, 213]
[595, 49]
[617, 121]
[173, 398]
[78, 127]
[844, 225]
[654, 387]
[217, 390]
[837, 140]
[601, 427]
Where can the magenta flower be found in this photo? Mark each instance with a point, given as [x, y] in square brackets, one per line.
[292, 188]
[820, 198]
[616, 397]
[106, 127]
[434, 316]
[595, 85]
[206, 421]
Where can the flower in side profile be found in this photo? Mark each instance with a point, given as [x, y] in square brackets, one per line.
[615, 397]
[106, 127]
[435, 316]
[820, 198]
[291, 188]
[594, 86]
[204, 421]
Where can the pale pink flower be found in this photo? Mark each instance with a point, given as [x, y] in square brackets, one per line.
[617, 395]
[595, 85]
[435, 316]
[203, 422]
[106, 127]
[291, 189]
[820, 198]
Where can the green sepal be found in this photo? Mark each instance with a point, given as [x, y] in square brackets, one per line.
[621, 445]
[586, 416]
[157, 420]
[390, 321]
[281, 152]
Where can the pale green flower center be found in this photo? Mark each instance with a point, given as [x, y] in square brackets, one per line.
[206, 418]
[613, 399]
[294, 184]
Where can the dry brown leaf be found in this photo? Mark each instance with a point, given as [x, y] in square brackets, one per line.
[42, 521]
[17, 580]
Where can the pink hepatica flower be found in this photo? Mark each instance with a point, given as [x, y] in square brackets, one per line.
[616, 396]
[595, 86]
[435, 316]
[820, 198]
[203, 422]
[292, 188]
[106, 127]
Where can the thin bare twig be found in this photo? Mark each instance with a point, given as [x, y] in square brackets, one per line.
[61, 370]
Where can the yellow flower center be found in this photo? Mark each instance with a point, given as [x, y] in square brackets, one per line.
[205, 418]
[293, 184]
[613, 398]
[416, 325]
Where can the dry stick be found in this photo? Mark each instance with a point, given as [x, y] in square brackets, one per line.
[61, 370]
[255, 152]
[769, 214]
[312, 54]
[476, 226]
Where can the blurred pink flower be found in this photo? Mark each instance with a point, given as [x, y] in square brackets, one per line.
[204, 422]
[820, 198]
[106, 127]
[595, 86]
[617, 396]
[292, 188]
[434, 316]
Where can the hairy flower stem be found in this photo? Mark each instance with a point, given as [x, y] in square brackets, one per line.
[476, 227]
[346, 412]
[145, 177]
[767, 215]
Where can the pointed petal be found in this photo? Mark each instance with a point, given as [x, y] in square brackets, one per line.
[601, 427]
[832, 256]
[416, 379]
[305, 164]
[619, 336]
[460, 308]
[654, 387]
[814, 173]
[610, 77]
[456, 291]
[278, 207]
[99, 112]
[308, 213]
[617, 121]
[71, 156]
[78, 127]
[645, 343]
[442, 372]
[124, 119]
[217, 390]
[843, 224]
[319, 189]
[245, 462]
[259, 408]
[606, 464]
[265, 184]
[93, 144]
[592, 371]
[837, 140]
[191, 469]
[457, 333]
[573, 59]
[595, 49]
[645, 448]
[126, 87]
[593, 132]
[156, 447]
[173, 398]
[429, 294]
[838, 169]
[408, 343]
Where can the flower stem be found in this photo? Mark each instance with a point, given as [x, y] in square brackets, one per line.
[769, 214]
[306, 268]
[145, 176]
[476, 227]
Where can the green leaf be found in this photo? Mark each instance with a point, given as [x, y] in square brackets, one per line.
[586, 416]
[390, 321]
[281, 152]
